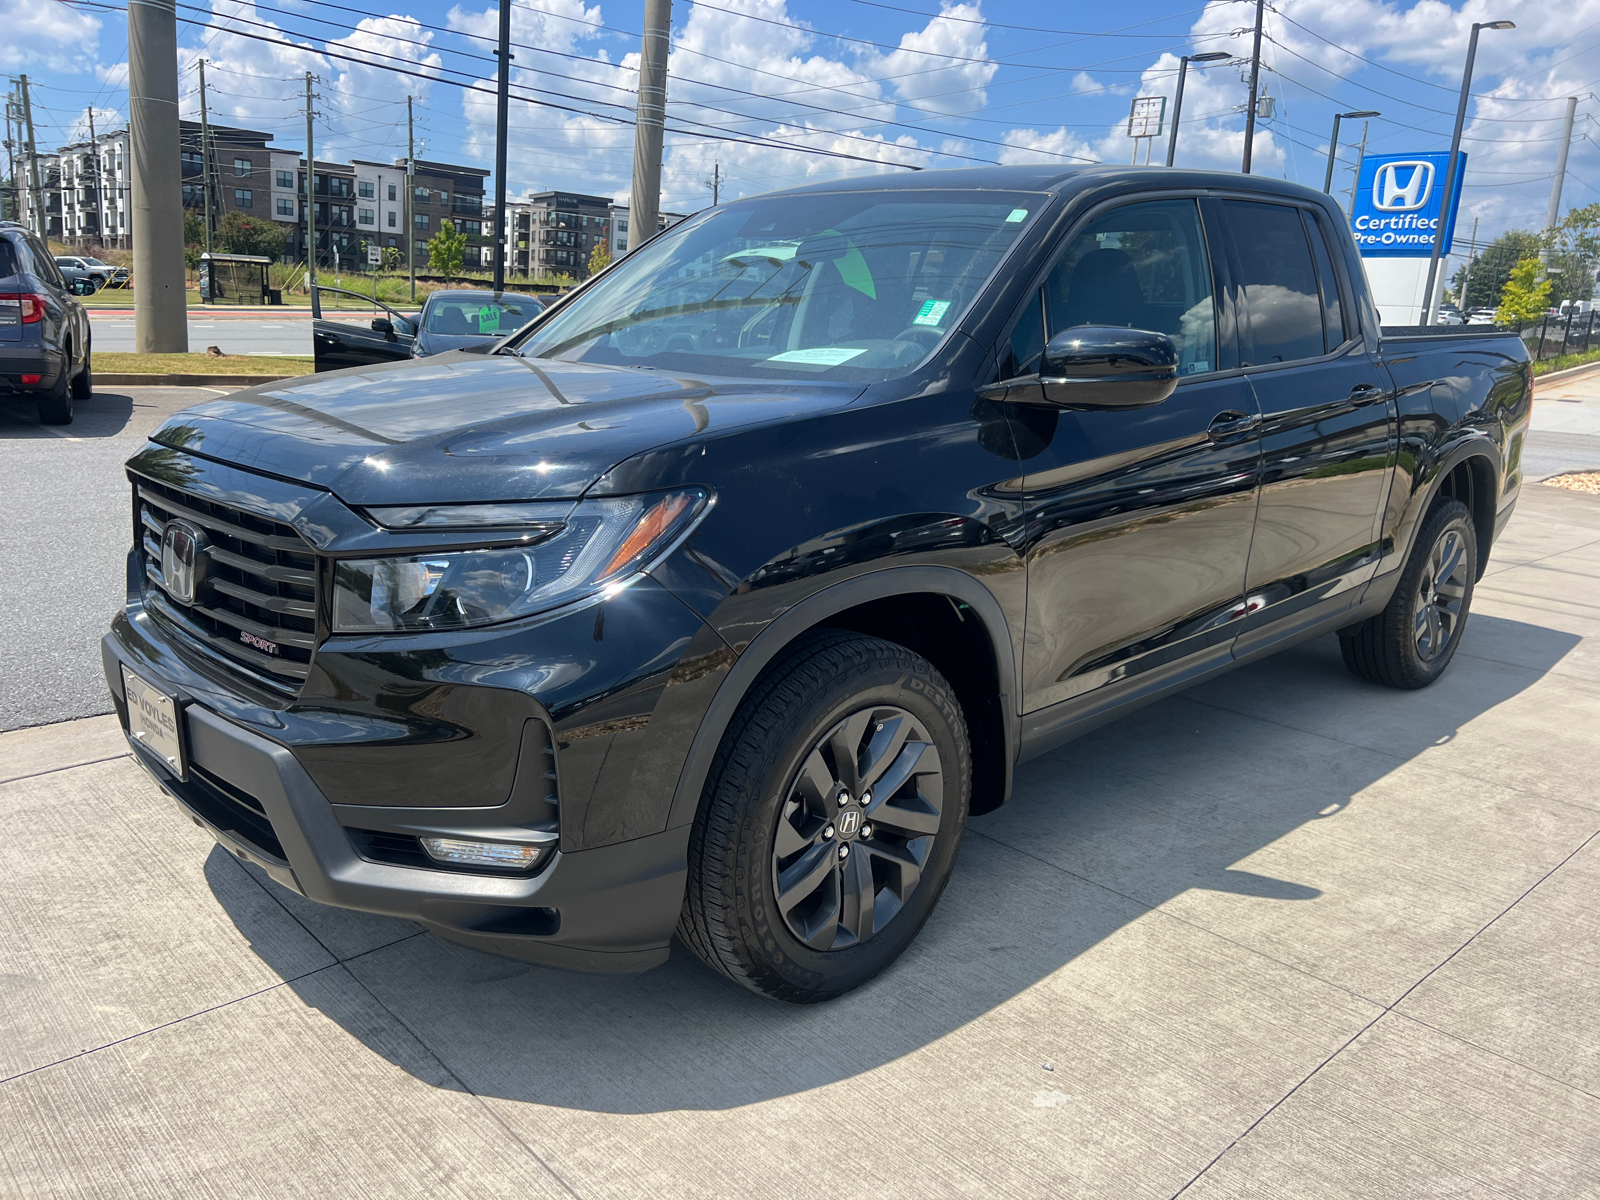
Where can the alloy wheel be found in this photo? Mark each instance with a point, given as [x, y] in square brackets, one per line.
[856, 827]
[1440, 595]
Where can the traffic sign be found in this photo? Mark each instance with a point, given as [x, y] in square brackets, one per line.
[1398, 201]
[374, 256]
[1146, 116]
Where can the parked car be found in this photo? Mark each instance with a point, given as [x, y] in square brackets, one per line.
[101, 274]
[715, 601]
[1449, 315]
[1481, 316]
[45, 342]
[455, 320]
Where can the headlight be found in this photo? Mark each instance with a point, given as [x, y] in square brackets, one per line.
[589, 546]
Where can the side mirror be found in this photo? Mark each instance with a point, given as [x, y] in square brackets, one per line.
[1101, 366]
[383, 325]
[83, 287]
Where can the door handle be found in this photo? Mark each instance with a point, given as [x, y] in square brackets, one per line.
[1230, 424]
[1365, 393]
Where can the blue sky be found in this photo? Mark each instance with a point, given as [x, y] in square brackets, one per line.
[904, 82]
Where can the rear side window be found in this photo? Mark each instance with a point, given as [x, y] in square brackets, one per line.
[8, 259]
[1333, 326]
[1142, 266]
[1277, 287]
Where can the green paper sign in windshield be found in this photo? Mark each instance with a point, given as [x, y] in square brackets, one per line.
[488, 319]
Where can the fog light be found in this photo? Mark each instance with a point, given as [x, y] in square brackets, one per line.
[32, 378]
[504, 856]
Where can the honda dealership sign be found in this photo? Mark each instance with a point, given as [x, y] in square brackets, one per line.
[1399, 198]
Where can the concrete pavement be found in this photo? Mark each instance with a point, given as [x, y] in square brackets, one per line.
[1286, 935]
[1566, 427]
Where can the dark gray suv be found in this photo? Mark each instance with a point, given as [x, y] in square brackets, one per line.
[44, 330]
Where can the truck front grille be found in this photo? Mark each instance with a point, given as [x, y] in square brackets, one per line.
[256, 607]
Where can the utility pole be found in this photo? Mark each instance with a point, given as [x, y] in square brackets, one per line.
[1466, 275]
[1355, 177]
[1553, 214]
[205, 153]
[99, 206]
[160, 323]
[1255, 89]
[11, 159]
[35, 191]
[715, 183]
[311, 195]
[644, 208]
[501, 118]
[411, 170]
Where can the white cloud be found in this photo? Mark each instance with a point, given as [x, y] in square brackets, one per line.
[48, 35]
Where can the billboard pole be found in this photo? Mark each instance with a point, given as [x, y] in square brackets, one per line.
[1430, 303]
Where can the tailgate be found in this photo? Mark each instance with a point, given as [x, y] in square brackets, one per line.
[10, 320]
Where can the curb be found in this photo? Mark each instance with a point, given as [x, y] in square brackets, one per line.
[126, 379]
[1569, 372]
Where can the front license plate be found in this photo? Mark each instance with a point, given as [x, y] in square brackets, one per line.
[153, 721]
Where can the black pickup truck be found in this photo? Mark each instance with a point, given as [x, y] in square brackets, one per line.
[714, 600]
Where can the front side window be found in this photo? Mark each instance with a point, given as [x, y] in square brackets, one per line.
[1142, 266]
[1281, 311]
[856, 286]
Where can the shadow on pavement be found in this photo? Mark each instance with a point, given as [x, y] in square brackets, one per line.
[103, 415]
[1099, 832]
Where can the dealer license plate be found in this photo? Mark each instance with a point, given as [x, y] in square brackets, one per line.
[153, 721]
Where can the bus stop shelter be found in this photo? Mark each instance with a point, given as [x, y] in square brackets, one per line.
[236, 279]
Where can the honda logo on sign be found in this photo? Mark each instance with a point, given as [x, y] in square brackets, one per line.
[1402, 186]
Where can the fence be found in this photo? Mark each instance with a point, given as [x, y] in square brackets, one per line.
[1551, 337]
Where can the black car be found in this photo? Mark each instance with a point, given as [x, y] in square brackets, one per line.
[44, 330]
[455, 320]
[449, 320]
[714, 602]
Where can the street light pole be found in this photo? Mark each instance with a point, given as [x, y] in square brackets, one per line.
[1430, 302]
[1333, 144]
[1177, 103]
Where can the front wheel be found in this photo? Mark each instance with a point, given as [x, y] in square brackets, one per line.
[1411, 642]
[831, 819]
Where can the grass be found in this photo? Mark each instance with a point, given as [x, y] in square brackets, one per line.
[200, 364]
[1562, 361]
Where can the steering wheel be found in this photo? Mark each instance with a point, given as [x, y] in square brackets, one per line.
[917, 332]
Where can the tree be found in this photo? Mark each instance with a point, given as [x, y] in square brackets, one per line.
[1492, 267]
[194, 239]
[1572, 251]
[1523, 299]
[393, 260]
[446, 250]
[239, 234]
[599, 258]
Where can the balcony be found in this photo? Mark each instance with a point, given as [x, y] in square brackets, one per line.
[467, 206]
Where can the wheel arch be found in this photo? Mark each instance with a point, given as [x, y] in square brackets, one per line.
[915, 606]
[1470, 474]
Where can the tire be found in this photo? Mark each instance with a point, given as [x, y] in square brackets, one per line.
[55, 406]
[1411, 642]
[83, 381]
[770, 903]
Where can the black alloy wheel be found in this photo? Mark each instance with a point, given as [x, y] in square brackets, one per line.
[1411, 642]
[830, 819]
[858, 825]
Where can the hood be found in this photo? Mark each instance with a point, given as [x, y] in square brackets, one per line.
[442, 343]
[455, 428]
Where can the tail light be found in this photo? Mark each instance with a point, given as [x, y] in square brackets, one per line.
[32, 305]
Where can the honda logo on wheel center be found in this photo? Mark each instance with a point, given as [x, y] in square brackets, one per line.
[849, 822]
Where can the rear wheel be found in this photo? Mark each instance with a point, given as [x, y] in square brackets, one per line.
[831, 819]
[83, 381]
[1411, 642]
[55, 405]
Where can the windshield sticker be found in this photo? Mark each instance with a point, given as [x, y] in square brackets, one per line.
[931, 312]
[826, 356]
[488, 319]
[1017, 214]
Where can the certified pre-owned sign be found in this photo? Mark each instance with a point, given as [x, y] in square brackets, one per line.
[1399, 203]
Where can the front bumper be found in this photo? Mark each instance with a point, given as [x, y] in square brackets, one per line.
[610, 908]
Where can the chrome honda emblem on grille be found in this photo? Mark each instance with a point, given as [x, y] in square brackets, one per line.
[183, 561]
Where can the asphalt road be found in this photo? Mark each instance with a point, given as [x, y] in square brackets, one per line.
[67, 523]
[233, 335]
[65, 534]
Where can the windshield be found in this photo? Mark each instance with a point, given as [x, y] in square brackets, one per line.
[479, 316]
[856, 286]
